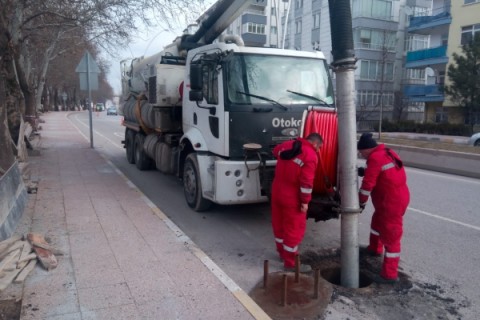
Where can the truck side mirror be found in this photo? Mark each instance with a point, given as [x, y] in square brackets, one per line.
[196, 77]
[195, 95]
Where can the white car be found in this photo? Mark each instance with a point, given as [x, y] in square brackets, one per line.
[474, 140]
[112, 110]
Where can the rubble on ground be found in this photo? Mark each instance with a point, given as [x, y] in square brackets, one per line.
[20, 254]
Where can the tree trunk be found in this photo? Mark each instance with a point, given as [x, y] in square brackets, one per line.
[6, 156]
[29, 98]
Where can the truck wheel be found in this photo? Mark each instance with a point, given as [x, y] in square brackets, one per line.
[142, 161]
[130, 145]
[192, 186]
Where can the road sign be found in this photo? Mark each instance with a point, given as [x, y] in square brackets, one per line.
[88, 71]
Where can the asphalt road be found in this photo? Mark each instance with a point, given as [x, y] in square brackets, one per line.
[441, 236]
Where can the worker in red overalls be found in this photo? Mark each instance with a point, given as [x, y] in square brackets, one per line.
[291, 192]
[385, 180]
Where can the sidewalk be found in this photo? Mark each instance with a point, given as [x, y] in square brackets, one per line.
[124, 259]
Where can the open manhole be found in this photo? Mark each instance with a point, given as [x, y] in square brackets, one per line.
[10, 309]
[284, 298]
[333, 275]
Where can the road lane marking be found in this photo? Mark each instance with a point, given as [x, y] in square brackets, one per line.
[96, 132]
[445, 219]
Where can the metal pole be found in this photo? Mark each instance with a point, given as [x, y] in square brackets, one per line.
[265, 274]
[285, 28]
[89, 101]
[315, 284]
[347, 157]
[344, 67]
[283, 302]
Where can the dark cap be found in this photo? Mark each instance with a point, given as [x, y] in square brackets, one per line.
[366, 141]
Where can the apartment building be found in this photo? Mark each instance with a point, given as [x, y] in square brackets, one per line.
[437, 29]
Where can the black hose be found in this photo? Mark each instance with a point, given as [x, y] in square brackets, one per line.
[341, 30]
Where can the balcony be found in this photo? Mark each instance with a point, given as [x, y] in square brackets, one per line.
[426, 24]
[427, 57]
[424, 93]
[254, 39]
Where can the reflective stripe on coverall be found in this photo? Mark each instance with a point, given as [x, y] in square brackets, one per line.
[385, 180]
[292, 186]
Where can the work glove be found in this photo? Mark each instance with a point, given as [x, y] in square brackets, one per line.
[361, 171]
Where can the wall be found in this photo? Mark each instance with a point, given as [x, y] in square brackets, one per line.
[13, 200]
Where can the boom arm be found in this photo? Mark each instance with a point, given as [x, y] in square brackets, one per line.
[216, 19]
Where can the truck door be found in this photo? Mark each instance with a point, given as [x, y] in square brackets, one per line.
[210, 114]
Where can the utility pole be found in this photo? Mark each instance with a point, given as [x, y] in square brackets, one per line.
[344, 67]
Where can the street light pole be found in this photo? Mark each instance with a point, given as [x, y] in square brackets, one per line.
[344, 67]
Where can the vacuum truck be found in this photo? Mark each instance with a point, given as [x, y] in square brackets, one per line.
[209, 109]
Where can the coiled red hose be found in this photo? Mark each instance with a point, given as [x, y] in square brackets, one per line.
[324, 122]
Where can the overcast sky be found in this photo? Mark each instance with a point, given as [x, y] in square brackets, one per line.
[147, 44]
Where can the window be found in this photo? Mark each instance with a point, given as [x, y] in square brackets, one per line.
[380, 9]
[316, 20]
[273, 30]
[298, 4]
[273, 11]
[210, 83]
[298, 26]
[470, 1]
[441, 77]
[367, 98]
[420, 11]
[416, 42]
[251, 27]
[444, 39]
[416, 74]
[375, 39]
[272, 75]
[441, 115]
[372, 70]
[468, 33]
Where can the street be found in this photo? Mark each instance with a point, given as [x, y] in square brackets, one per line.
[442, 225]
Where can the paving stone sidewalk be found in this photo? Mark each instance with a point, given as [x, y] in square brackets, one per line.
[122, 259]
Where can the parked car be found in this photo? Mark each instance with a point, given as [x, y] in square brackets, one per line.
[474, 140]
[112, 110]
[99, 107]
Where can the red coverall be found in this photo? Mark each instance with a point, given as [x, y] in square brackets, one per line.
[386, 181]
[292, 186]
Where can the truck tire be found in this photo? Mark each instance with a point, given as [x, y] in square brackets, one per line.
[130, 145]
[142, 161]
[192, 186]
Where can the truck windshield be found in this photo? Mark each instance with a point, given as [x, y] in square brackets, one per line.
[286, 80]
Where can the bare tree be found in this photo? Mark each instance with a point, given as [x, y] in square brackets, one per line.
[35, 33]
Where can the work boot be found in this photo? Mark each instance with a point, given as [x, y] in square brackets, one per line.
[381, 280]
[304, 268]
[367, 252]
